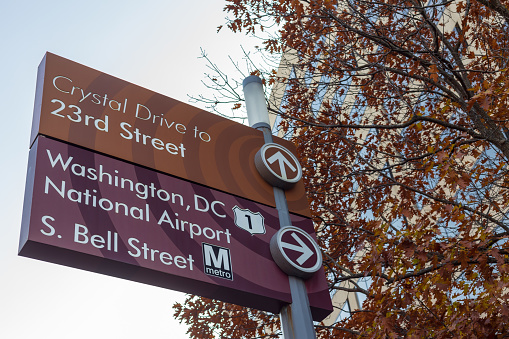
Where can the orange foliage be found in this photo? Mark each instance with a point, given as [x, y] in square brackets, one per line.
[405, 166]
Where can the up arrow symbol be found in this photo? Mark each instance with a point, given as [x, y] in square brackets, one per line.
[282, 161]
[306, 251]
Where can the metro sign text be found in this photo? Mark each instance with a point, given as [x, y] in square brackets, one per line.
[217, 261]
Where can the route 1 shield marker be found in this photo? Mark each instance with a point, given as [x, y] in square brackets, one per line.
[252, 222]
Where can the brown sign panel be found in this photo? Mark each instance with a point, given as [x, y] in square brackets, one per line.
[85, 107]
[93, 212]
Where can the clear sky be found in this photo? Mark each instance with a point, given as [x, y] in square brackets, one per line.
[154, 44]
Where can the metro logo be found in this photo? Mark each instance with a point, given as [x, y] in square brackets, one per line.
[217, 261]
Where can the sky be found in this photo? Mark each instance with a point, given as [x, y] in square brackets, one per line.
[154, 44]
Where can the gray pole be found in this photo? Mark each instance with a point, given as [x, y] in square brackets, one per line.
[296, 319]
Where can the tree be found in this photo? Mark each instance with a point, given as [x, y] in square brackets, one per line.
[399, 110]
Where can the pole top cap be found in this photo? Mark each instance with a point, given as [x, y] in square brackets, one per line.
[250, 79]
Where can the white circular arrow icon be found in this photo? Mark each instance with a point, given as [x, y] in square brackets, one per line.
[281, 159]
[290, 240]
[278, 166]
[302, 248]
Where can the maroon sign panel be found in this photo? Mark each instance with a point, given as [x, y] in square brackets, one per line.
[93, 212]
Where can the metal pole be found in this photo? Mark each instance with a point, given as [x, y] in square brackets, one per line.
[296, 319]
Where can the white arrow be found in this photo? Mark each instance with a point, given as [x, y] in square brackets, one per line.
[282, 161]
[306, 251]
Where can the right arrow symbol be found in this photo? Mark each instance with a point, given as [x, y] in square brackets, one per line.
[303, 248]
[278, 156]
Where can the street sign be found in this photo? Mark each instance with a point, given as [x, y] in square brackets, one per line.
[90, 211]
[130, 183]
[296, 252]
[91, 109]
[278, 166]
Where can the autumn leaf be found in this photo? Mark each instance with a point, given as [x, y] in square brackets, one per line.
[433, 73]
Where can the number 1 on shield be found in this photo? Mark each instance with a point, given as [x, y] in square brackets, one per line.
[249, 222]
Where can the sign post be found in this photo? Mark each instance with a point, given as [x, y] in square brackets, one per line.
[296, 318]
